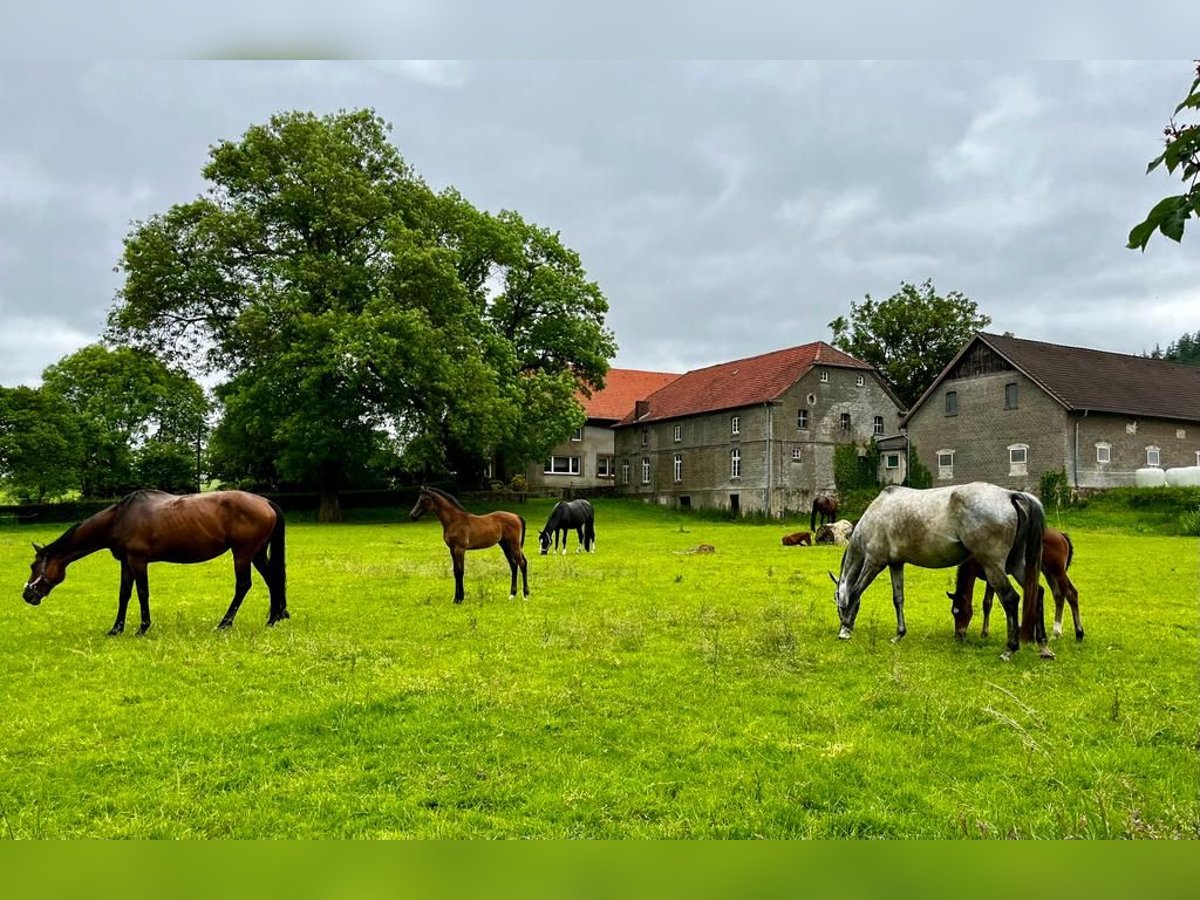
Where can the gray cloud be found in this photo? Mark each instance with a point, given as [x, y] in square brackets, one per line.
[725, 209]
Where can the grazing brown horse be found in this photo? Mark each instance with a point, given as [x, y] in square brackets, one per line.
[462, 532]
[825, 506]
[152, 526]
[1057, 552]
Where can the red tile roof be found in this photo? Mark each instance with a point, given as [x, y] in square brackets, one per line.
[622, 389]
[743, 382]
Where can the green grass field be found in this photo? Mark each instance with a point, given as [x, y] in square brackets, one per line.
[639, 692]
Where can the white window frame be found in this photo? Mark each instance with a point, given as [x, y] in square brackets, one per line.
[824, 376]
[1198, 457]
[1103, 453]
[735, 462]
[677, 468]
[945, 471]
[604, 466]
[735, 424]
[1018, 466]
[645, 470]
[802, 420]
[845, 422]
[624, 471]
[572, 466]
[877, 425]
[797, 453]
[860, 381]
[891, 460]
[678, 433]
[645, 436]
[1153, 456]
[577, 434]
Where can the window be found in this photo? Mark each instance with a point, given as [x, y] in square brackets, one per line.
[860, 381]
[1010, 396]
[625, 472]
[797, 454]
[877, 425]
[891, 461]
[562, 465]
[645, 470]
[645, 436]
[678, 433]
[1103, 453]
[678, 467]
[577, 434]
[604, 467]
[845, 421]
[945, 462]
[1152, 457]
[735, 425]
[802, 418]
[685, 502]
[1018, 459]
[952, 403]
[1198, 457]
[824, 375]
[735, 463]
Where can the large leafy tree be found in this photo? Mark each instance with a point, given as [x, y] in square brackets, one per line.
[141, 422]
[349, 309]
[1181, 156]
[40, 444]
[909, 337]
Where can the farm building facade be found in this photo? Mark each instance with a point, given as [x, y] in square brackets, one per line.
[755, 434]
[1007, 410]
[586, 459]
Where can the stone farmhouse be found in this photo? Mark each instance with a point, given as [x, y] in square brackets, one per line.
[752, 435]
[1006, 410]
[585, 460]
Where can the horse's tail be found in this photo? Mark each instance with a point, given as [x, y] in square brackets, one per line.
[812, 519]
[1070, 551]
[589, 528]
[1031, 525]
[277, 562]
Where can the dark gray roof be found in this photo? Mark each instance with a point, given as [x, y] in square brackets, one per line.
[1099, 381]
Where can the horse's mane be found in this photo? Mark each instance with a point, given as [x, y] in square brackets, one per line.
[447, 497]
[61, 541]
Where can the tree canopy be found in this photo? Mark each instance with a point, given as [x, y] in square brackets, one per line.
[140, 422]
[909, 337]
[40, 446]
[1181, 156]
[350, 310]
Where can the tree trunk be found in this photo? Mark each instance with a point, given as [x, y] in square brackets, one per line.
[330, 510]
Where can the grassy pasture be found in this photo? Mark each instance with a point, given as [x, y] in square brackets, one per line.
[639, 692]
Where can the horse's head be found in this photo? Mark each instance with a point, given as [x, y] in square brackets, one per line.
[843, 597]
[424, 504]
[962, 610]
[544, 541]
[45, 574]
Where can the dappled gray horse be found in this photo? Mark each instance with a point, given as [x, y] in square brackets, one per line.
[943, 527]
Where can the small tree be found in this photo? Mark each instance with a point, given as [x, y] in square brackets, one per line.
[909, 337]
[1182, 156]
[918, 475]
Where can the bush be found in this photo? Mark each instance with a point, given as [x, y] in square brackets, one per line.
[853, 471]
[1055, 490]
[1189, 523]
[918, 475]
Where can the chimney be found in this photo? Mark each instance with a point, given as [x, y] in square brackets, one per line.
[641, 408]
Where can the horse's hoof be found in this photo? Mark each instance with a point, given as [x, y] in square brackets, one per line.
[845, 633]
[897, 638]
[143, 630]
[1078, 636]
[223, 624]
[1006, 655]
[1046, 652]
[114, 631]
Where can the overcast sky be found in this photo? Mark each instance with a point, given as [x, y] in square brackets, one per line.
[725, 209]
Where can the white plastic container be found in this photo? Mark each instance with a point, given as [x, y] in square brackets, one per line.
[1151, 476]
[1184, 476]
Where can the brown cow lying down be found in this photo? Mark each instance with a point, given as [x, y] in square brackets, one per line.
[838, 533]
[800, 538]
